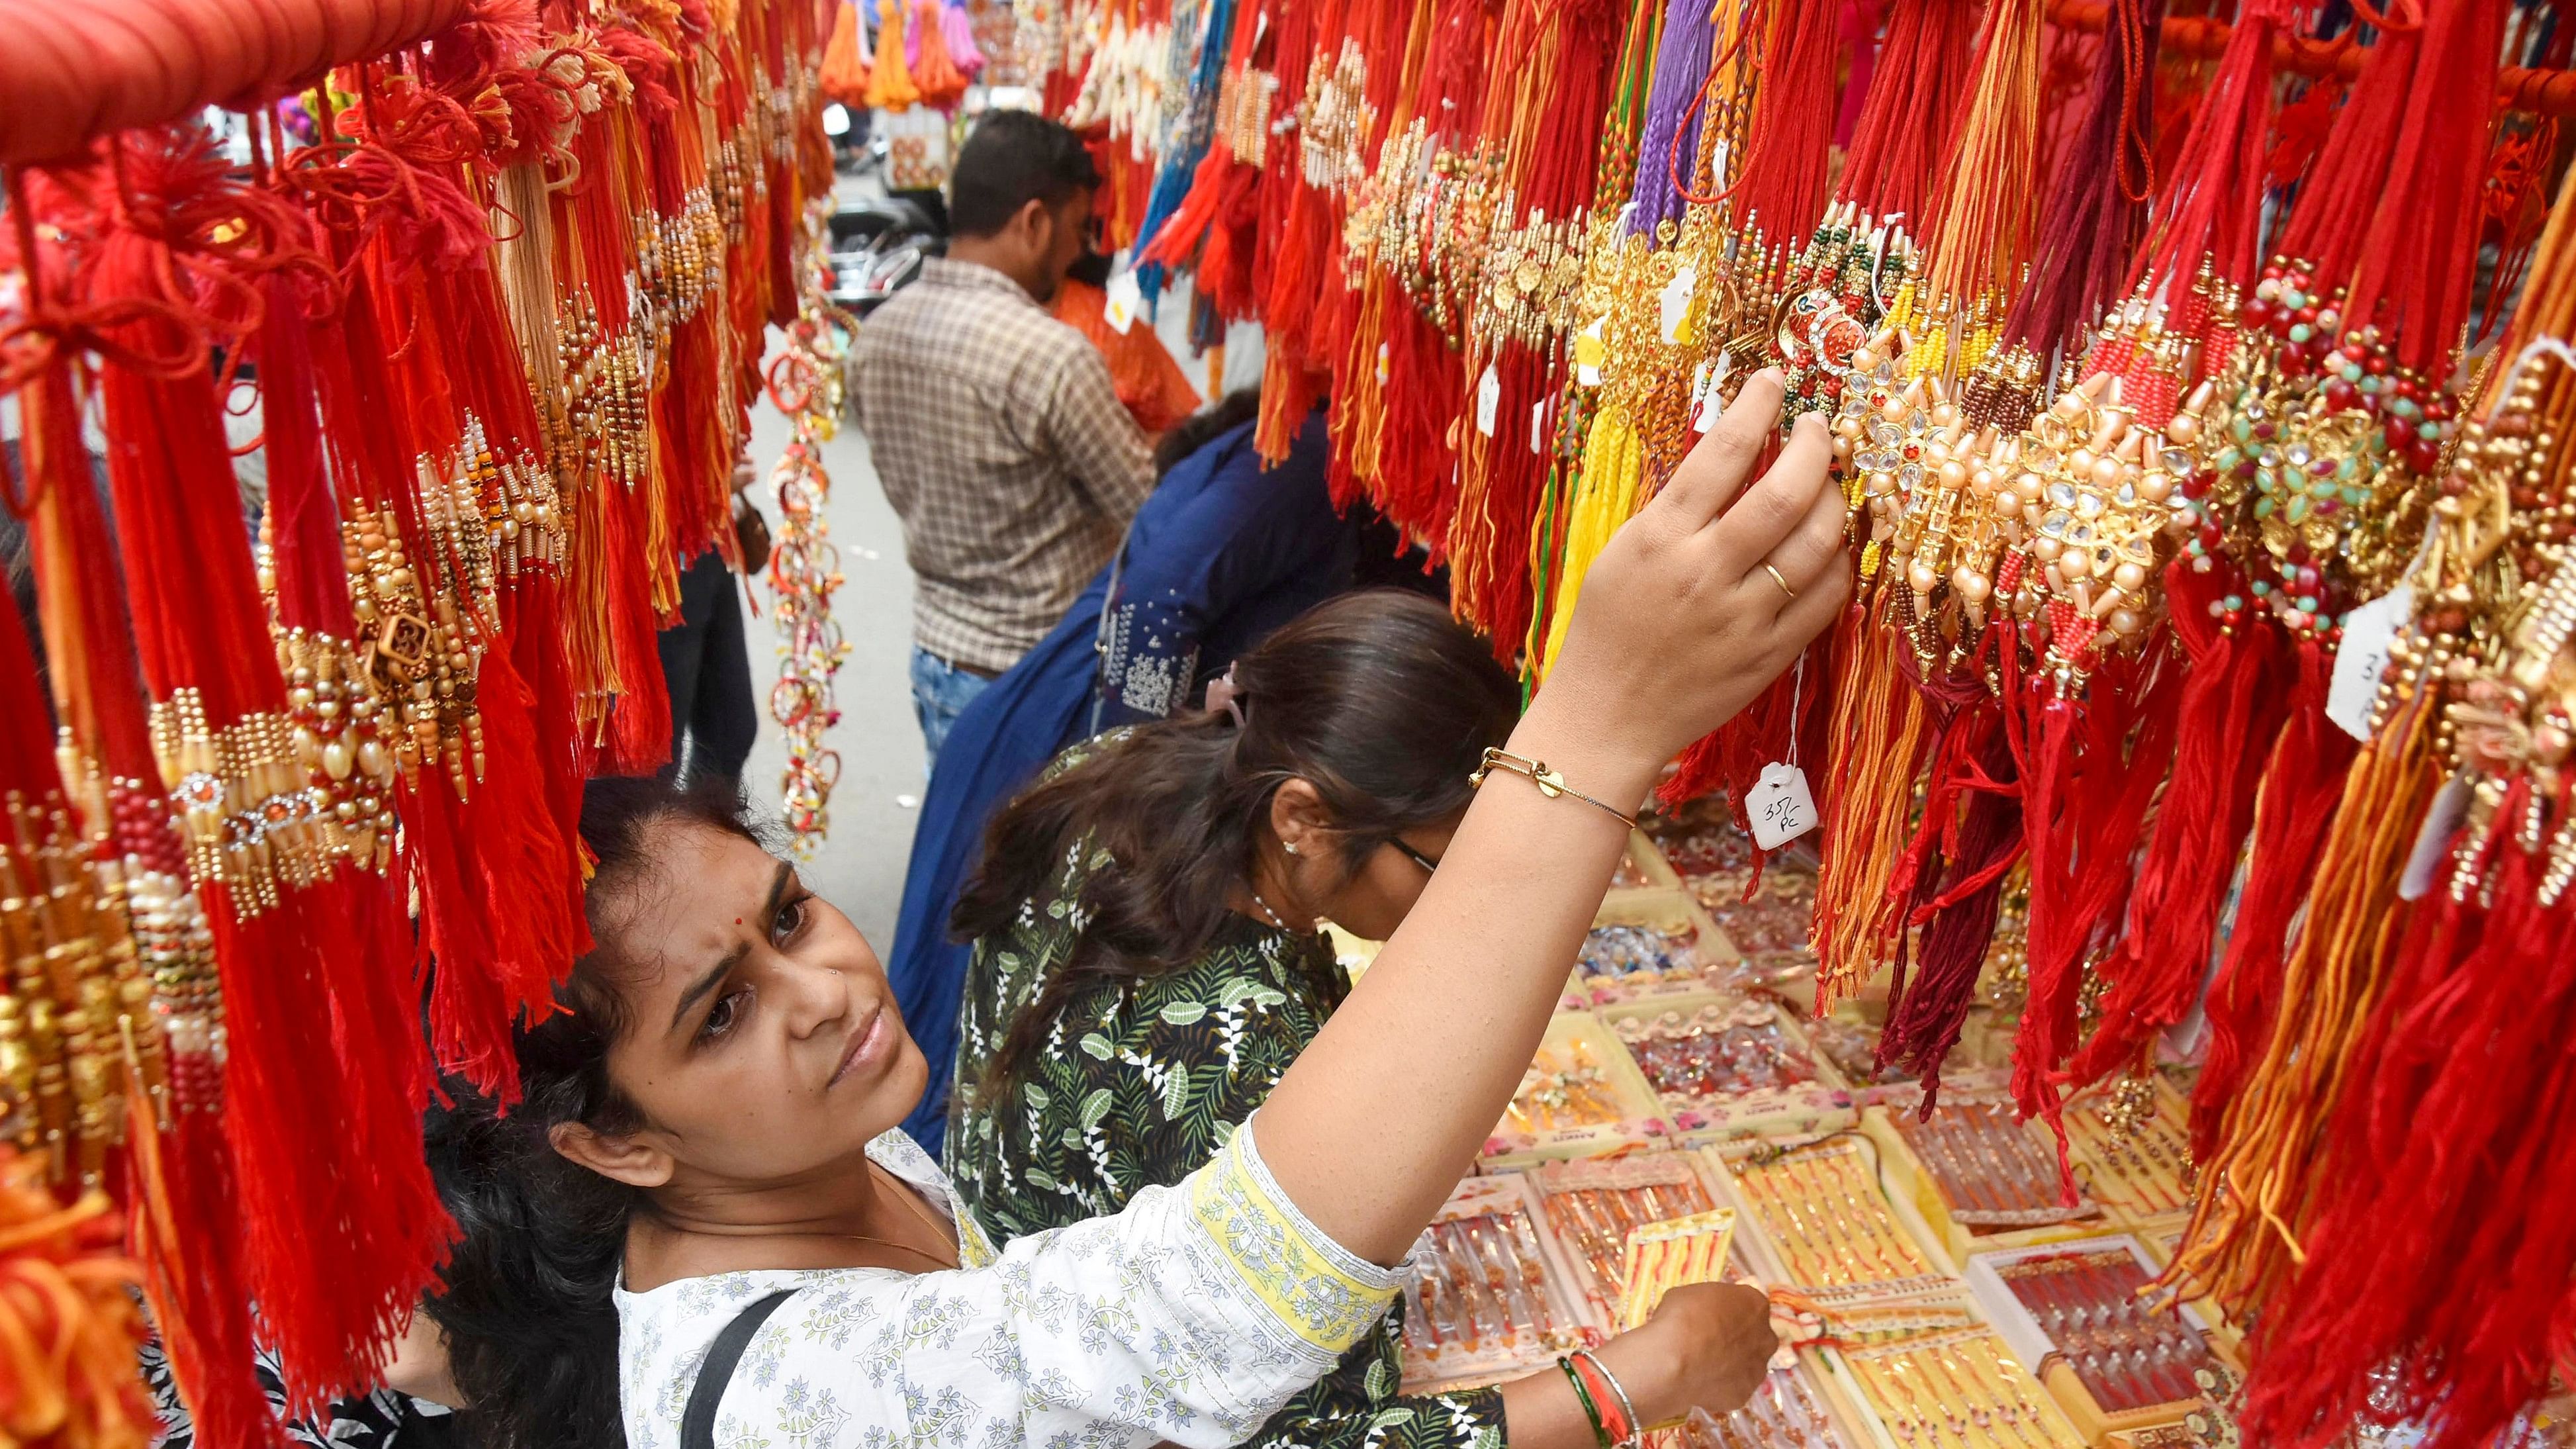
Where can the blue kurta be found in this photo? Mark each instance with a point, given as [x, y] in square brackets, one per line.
[1221, 554]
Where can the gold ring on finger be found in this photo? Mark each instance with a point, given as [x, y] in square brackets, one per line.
[1783, 583]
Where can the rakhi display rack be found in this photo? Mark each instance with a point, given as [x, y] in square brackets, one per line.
[1490, 1296]
[2113, 1358]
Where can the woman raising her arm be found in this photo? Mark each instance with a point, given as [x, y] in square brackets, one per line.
[720, 1093]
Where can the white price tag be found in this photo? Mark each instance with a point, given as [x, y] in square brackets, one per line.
[1779, 806]
[1125, 297]
[1381, 364]
[1489, 400]
[2363, 658]
[1589, 351]
[2433, 841]
[1538, 426]
[1674, 308]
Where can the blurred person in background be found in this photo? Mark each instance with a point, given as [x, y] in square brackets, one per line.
[996, 429]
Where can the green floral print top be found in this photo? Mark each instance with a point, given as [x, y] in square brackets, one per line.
[1135, 1087]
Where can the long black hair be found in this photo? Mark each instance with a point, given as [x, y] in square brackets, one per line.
[526, 1299]
[1378, 699]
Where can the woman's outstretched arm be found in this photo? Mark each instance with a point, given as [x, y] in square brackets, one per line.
[1681, 623]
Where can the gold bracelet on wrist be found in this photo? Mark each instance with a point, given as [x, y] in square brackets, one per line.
[1549, 782]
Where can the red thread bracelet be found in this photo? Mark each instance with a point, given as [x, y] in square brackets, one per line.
[1619, 1417]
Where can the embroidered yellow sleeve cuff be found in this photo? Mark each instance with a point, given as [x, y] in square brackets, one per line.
[1318, 1290]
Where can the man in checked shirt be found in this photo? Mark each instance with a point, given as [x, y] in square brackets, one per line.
[996, 429]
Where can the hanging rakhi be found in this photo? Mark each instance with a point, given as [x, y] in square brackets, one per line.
[804, 567]
[172, 1071]
[1360, 336]
[2335, 423]
[1398, 385]
[2414, 1295]
[318, 1017]
[448, 537]
[2077, 509]
[1210, 219]
[1832, 302]
[2178, 330]
[1319, 155]
[1571, 416]
[1626, 406]
[1376, 76]
[77, 1037]
[1557, 67]
[1911, 452]
[603, 450]
[1192, 136]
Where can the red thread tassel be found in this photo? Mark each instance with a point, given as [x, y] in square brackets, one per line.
[2234, 703]
[2089, 772]
[2302, 784]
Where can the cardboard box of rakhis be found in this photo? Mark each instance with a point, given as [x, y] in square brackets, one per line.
[1693, 1049]
[2113, 1359]
[1648, 944]
[1980, 1177]
[1581, 1097]
[1491, 1297]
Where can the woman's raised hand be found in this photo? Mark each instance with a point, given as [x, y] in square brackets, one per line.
[1680, 625]
[1713, 588]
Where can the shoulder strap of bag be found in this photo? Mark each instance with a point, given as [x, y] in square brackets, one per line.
[698, 1423]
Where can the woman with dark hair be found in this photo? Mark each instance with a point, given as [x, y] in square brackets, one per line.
[738, 1234]
[1225, 551]
[1123, 1016]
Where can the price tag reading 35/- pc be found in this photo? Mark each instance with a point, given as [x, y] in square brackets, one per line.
[1779, 806]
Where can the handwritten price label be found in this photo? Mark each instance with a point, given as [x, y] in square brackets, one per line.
[1489, 400]
[2363, 657]
[1780, 806]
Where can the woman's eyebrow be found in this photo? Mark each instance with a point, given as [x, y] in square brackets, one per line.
[715, 975]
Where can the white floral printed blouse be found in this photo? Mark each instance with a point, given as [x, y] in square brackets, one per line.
[1189, 1317]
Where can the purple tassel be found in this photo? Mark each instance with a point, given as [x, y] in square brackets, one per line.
[1682, 61]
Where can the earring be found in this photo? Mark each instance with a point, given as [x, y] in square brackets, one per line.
[1289, 845]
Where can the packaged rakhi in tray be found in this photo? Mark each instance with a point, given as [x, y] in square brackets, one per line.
[1487, 1299]
[2114, 1359]
[1729, 1066]
[1823, 1216]
[1594, 1205]
[1963, 1389]
[1787, 1412]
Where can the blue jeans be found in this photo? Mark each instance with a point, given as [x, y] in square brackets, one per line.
[940, 692]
